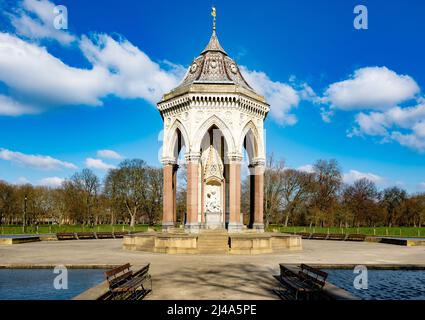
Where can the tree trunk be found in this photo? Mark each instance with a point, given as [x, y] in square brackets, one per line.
[133, 220]
[286, 219]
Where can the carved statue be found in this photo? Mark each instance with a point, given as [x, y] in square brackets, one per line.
[213, 204]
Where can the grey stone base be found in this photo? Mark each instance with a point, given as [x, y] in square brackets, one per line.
[234, 227]
[259, 227]
[192, 227]
[167, 225]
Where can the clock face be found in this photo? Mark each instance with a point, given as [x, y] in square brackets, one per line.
[193, 68]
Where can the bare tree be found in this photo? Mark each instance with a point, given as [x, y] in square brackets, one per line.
[273, 185]
[328, 181]
[392, 200]
[153, 202]
[361, 199]
[296, 188]
[87, 184]
[128, 185]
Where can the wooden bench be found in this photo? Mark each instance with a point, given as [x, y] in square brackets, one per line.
[120, 234]
[336, 236]
[126, 285]
[66, 236]
[104, 235]
[306, 284]
[85, 235]
[356, 237]
[319, 236]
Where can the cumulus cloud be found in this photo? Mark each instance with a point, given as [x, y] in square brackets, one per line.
[109, 154]
[35, 20]
[35, 161]
[374, 88]
[11, 107]
[354, 175]
[98, 164]
[281, 97]
[133, 73]
[22, 181]
[31, 70]
[118, 68]
[403, 125]
[309, 168]
[53, 182]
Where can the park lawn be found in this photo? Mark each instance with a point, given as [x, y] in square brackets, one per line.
[45, 229]
[378, 231]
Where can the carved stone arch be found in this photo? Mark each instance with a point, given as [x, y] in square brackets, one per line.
[211, 121]
[253, 141]
[173, 136]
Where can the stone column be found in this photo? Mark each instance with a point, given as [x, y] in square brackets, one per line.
[251, 195]
[192, 223]
[175, 168]
[258, 196]
[235, 223]
[168, 196]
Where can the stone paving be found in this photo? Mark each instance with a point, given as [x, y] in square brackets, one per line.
[208, 276]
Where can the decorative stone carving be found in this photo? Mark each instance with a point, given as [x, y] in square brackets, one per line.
[213, 95]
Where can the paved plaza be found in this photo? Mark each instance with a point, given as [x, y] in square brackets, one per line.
[208, 276]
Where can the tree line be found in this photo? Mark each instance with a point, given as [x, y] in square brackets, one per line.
[129, 194]
[132, 193]
[320, 198]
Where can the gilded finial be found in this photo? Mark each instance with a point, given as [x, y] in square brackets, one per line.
[214, 14]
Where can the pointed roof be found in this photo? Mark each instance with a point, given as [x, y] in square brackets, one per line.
[214, 66]
[214, 44]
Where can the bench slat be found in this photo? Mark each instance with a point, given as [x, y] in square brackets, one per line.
[117, 270]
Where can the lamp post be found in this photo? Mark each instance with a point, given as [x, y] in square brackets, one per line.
[25, 214]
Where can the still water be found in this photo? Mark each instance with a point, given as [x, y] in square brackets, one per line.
[383, 284]
[37, 284]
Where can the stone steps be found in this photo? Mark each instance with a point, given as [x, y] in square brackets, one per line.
[213, 242]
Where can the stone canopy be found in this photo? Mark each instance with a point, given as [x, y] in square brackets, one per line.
[214, 109]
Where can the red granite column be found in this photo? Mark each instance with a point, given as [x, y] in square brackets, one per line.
[168, 198]
[258, 197]
[192, 223]
[175, 168]
[235, 224]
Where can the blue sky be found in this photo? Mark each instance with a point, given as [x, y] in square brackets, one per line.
[335, 92]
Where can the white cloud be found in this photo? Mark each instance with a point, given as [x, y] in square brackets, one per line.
[98, 164]
[22, 180]
[389, 124]
[11, 107]
[53, 182]
[35, 161]
[373, 88]
[109, 154]
[281, 97]
[422, 185]
[35, 20]
[118, 68]
[306, 168]
[31, 70]
[354, 175]
[133, 73]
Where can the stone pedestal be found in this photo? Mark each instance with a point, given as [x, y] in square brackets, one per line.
[213, 220]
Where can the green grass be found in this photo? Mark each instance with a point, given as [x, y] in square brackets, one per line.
[14, 229]
[378, 231]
